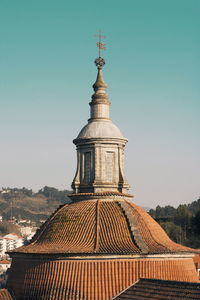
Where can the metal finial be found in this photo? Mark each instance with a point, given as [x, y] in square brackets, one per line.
[100, 62]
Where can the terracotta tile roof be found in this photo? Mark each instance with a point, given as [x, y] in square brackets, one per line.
[161, 289]
[4, 262]
[84, 250]
[153, 236]
[89, 279]
[5, 295]
[102, 227]
[196, 258]
[13, 235]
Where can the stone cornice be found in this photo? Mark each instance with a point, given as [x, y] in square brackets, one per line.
[77, 256]
[105, 140]
[103, 195]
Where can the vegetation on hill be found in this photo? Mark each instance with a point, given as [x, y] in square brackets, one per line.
[7, 227]
[25, 204]
[182, 224]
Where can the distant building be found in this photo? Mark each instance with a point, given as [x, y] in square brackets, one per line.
[9, 242]
[24, 221]
[5, 191]
[25, 230]
[4, 265]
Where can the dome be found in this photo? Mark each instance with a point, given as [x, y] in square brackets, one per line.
[102, 227]
[100, 129]
[94, 249]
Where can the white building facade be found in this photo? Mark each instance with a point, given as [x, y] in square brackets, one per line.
[9, 242]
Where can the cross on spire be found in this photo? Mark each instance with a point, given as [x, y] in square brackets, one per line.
[99, 44]
[100, 62]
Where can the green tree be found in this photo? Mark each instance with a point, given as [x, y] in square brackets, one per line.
[182, 216]
[196, 223]
[7, 227]
[175, 232]
[54, 194]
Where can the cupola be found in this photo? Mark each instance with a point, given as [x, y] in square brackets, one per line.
[100, 146]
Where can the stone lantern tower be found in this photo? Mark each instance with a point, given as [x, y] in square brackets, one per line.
[100, 146]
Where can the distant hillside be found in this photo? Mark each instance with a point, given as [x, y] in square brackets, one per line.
[182, 224]
[24, 204]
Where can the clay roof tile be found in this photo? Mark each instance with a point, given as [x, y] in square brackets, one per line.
[101, 227]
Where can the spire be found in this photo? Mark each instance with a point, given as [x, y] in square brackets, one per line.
[100, 83]
[99, 106]
[100, 95]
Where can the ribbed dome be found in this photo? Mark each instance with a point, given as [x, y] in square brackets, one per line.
[102, 227]
[100, 129]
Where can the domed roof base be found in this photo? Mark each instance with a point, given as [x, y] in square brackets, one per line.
[101, 223]
[93, 249]
[45, 277]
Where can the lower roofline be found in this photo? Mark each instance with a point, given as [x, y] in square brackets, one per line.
[61, 256]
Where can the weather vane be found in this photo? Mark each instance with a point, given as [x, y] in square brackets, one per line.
[99, 44]
[100, 62]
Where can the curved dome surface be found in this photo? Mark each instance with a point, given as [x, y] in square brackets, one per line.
[100, 129]
[102, 227]
[91, 250]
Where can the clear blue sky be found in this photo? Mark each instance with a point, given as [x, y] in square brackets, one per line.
[47, 49]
